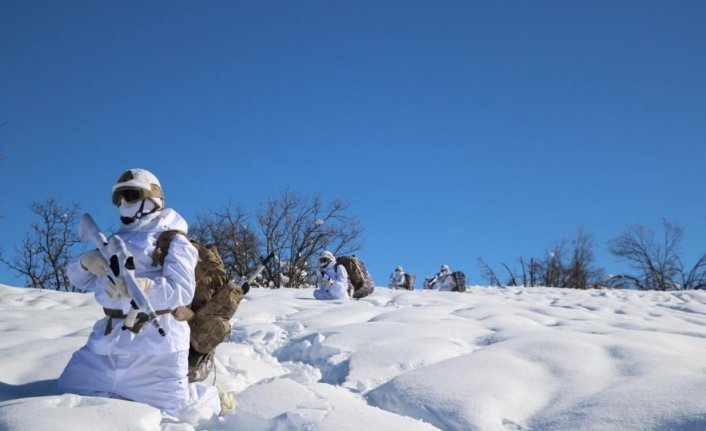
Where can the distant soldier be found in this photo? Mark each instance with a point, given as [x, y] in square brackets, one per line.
[397, 278]
[332, 280]
[445, 280]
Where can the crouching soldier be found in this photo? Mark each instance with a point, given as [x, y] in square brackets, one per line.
[397, 279]
[332, 280]
[137, 363]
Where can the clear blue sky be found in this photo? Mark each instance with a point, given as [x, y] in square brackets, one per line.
[456, 129]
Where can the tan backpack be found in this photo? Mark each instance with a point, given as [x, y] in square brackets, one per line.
[361, 282]
[215, 302]
[409, 281]
[459, 281]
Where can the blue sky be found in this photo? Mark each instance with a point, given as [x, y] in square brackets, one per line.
[456, 129]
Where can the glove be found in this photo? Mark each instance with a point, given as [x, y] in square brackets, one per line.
[94, 262]
[115, 288]
[119, 289]
[227, 399]
[246, 288]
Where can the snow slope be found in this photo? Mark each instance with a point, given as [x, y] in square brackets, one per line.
[489, 359]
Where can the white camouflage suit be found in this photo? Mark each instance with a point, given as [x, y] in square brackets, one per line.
[397, 280]
[143, 367]
[444, 281]
[332, 282]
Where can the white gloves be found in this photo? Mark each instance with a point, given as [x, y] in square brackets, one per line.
[119, 289]
[94, 262]
[116, 289]
[228, 403]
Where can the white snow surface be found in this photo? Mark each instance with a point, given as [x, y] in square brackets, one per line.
[488, 359]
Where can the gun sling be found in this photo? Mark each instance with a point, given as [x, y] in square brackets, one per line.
[139, 322]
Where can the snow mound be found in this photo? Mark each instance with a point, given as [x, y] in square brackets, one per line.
[490, 359]
[73, 412]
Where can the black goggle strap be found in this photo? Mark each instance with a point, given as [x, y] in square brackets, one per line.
[139, 214]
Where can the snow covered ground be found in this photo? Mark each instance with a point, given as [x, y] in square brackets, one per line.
[489, 359]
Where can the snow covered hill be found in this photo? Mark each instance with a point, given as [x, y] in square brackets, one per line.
[489, 359]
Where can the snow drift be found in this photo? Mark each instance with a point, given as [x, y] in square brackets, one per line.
[488, 359]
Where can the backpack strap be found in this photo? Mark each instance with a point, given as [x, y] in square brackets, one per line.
[162, 247]
[164, 240]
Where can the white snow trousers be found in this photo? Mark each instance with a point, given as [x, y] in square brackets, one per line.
[337, 291]
[157, 380]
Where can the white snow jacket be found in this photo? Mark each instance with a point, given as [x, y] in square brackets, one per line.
[397, 279]
[332, 282]
[444, 281]
[173, 286]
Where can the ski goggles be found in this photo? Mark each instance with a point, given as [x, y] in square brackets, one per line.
[324, 260]
[131, 196]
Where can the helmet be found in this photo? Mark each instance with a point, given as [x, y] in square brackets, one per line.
[399, 269]
[326, 258]
[135, 185]
[444, 268]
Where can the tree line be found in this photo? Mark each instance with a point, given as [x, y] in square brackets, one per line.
[297, 229]
[653, 258]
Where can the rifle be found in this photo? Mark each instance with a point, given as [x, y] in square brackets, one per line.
[258, 270]
[122, 265]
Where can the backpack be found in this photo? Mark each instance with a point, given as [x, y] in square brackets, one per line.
[409, 280]
[214, 304]
[360, 281]
[459, 280]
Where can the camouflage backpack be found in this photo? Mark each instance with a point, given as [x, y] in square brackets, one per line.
[409, 280]
[459, 280]
[215, 302]
[360, 281]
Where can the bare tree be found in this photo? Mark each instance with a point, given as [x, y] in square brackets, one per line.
[656, 260]
[512, 281]
[493, 279]
[297, 228]
[580, 272]
[524, 271]
[562, 266]
[488, 272]
[553, 266]
[695, 278]
[570, 263]
[47, 248]
[229, 230]
[534, 269]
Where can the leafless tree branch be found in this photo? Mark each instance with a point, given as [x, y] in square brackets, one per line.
[488, 272]
[47, 249]
[656, 262]
[297, 229]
